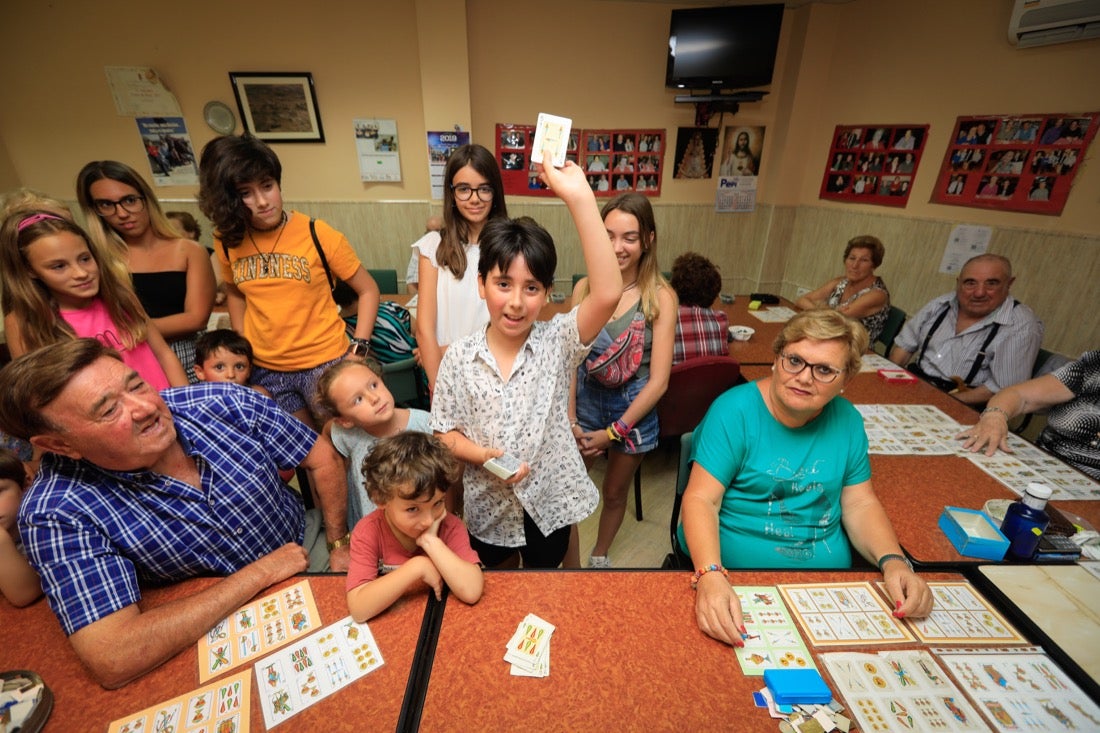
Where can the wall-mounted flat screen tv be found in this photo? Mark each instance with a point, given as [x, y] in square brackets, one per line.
[731, 47]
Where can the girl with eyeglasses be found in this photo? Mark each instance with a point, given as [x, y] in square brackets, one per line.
[781, 478]
[58, 285]
[171, 274]
[449, 306]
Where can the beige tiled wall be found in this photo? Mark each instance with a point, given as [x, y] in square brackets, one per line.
[782, 248]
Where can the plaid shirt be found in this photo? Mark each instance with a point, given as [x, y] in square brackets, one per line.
[92, 534]
[700, 332]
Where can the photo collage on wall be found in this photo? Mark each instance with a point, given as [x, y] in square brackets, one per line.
[614, 160]
[873, 164]
[1023, 163]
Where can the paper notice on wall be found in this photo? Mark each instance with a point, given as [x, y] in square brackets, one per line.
[440, 147]
[737, 193]
[964, 242]
[168, 147]
[139, 92]
[376, 145]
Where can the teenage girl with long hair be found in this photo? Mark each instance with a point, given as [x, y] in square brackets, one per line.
[448, 305]
[620, 421]
[58, 285]
[171, 274]
[277, 286]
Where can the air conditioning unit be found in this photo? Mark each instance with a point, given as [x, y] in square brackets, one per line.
[1044, 22]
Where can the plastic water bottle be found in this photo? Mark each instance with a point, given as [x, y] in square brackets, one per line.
[1025, 521]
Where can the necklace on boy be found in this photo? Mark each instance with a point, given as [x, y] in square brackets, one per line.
[269, 257]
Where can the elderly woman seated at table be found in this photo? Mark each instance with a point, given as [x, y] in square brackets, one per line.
[781, 477]
[859, 293]
[1072, 432]
[700, 331]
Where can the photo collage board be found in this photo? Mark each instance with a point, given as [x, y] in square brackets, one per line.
[614, 160]
[873, 164]
[1021, 163]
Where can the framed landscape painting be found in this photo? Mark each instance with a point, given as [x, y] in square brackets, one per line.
[278, 106]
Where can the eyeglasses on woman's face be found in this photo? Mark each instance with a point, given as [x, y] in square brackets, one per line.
[131, 204]
[794, 364]
[464, 191]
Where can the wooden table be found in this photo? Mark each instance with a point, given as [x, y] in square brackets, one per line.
[627, 655]
[758, 349]
[33, 640]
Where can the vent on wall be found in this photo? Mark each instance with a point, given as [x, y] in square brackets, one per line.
[1044, 22]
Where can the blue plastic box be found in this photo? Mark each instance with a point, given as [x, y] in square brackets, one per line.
[797, 687]
[973, 533]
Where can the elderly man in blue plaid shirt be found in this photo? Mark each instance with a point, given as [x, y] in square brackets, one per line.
[138, 487]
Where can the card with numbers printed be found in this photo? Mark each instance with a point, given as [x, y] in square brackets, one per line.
[258, 628]
[843, 613]
[220, 707]
[772, 640]
[314, 667]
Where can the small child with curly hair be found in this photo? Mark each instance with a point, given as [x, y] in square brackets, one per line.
[410, 539]
[700, 331]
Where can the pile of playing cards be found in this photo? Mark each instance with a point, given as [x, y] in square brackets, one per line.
[529, 648]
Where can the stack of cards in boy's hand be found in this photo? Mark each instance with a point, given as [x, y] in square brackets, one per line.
[529, 648]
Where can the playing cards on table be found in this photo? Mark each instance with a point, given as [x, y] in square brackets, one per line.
[529, 648]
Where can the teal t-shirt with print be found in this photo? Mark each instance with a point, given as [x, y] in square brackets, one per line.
[782, 505]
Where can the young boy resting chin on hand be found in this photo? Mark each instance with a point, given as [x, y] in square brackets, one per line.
[411, 536]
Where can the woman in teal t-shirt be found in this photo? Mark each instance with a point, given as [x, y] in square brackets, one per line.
[781, 477]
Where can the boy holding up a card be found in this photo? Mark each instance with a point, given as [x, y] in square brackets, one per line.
[410, 537]
[506, 389]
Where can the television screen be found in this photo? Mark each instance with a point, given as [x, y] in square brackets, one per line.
[729, 47]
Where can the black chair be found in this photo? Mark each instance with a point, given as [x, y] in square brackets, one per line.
[678, 557]
[890, 330]
[692, 386]
[386, 279]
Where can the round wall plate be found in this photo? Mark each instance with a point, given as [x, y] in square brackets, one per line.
[219, 117]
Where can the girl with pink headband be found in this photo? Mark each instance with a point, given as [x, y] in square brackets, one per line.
[58, 285]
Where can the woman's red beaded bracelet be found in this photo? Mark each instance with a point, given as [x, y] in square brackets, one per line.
[708, 569]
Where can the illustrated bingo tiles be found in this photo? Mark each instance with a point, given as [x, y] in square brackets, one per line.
[843, 613]
[773, 640]
[220, 707]
[314, 667]
[961, 616]
[900, 690]
[1027, 463]
[1020, 689]
[258, 628]
[774, 314]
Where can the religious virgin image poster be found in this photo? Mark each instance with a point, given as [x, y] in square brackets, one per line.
[1014, 163]
[695, 151]
[873, 164]
[614, 160]
[440, 146]
[376, 147]
[168, 147]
